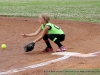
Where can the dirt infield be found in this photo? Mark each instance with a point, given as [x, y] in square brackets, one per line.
[82, 37]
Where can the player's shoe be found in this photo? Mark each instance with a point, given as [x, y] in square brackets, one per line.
[61, 49]
[47, 50]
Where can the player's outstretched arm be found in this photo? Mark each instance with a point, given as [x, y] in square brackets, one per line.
[32, 34]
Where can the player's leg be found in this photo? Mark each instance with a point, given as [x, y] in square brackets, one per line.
[49, 47]
[58, 38]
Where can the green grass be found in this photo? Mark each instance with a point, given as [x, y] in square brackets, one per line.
[80, 10]
[74, 72]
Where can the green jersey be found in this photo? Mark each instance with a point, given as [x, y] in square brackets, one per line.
[53, 29]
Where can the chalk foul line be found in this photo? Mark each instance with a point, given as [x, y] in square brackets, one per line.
[36, 65]
[44, 63]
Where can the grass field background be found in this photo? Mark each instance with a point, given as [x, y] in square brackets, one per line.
[80, 10]
[75, 72]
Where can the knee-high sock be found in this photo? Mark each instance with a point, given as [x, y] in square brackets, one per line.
[45, 38]
[48, 43]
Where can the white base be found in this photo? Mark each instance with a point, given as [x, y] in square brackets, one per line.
[74, 54]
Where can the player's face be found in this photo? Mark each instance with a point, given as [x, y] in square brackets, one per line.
[41, 20]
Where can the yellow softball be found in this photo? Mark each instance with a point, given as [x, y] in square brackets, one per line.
[3, 46]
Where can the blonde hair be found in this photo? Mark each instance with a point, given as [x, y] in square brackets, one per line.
[46, 17]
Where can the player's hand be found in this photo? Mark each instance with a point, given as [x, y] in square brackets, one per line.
[23, 35]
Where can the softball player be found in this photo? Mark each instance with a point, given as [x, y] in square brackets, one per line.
[49, 31]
